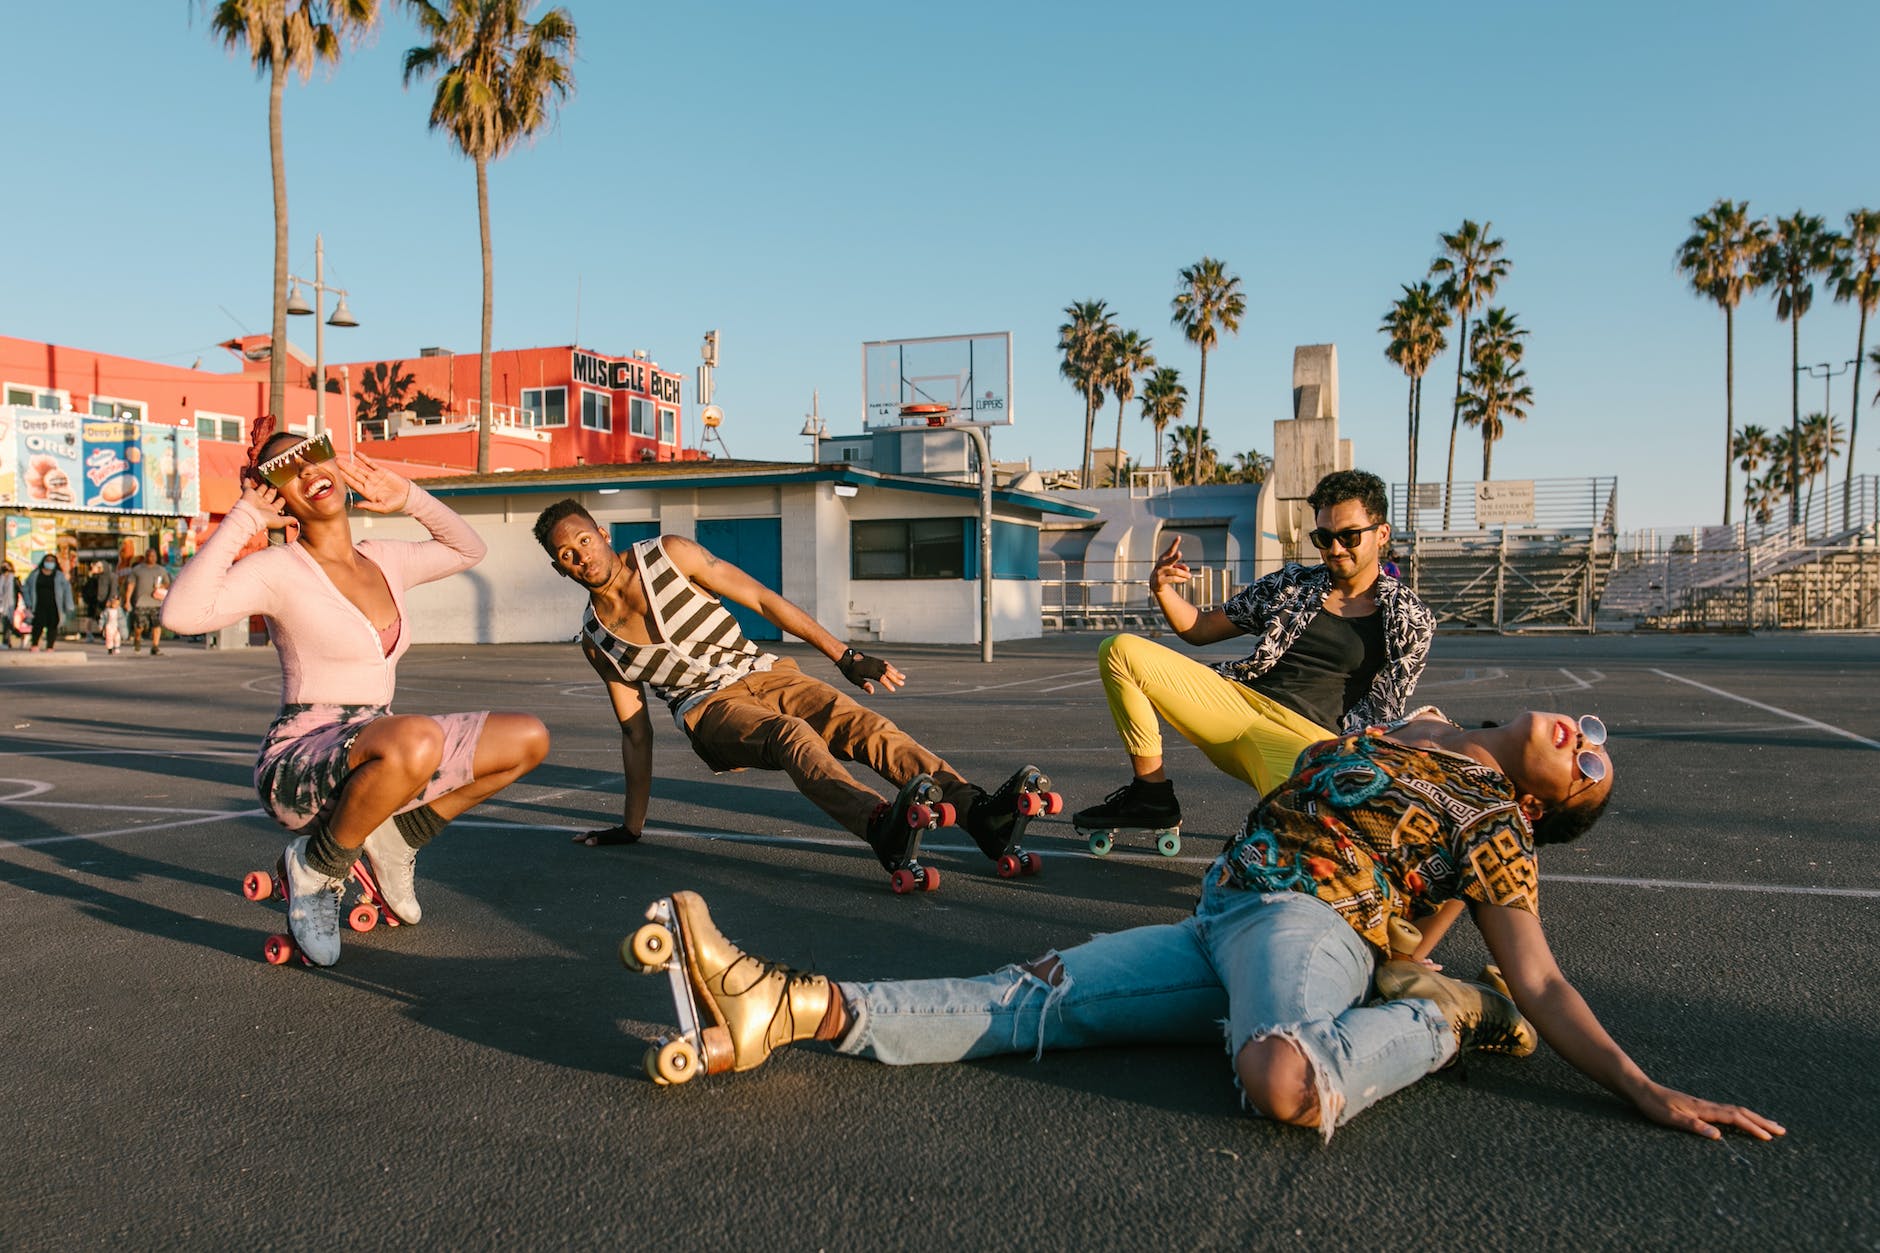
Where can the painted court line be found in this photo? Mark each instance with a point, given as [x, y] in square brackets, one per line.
[1774, 889]
[1801, 718]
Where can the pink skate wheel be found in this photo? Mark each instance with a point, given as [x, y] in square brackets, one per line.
[946, 815]
[1008, 866]
[931, 882]
[258, 886]
[278, 951]
[1030, 805]
[902, 881]
[363, 917]
[919, 815]
[1054, 802]
[1032, 863]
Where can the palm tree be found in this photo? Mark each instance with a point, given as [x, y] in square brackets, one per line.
[499, 77]
[1497, 389]
[1415, 324]
[1780, 480]
[1856, 277]
[1251, 466]
[1191, 455]
[1471, 267]
[384, 389]
[1163, 399]
[1801, 248]
[1822, 438]
[1720, 258]
[283, 36]
[1129, 357]
[1083, 341]
[1750, 448]
[1208, 301]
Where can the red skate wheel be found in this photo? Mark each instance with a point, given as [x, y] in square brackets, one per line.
[278, 951]
[919, 815]
[946, 815]
[1008, 866]
[902, 881]
[363, 917]
[1032, 863]
[1030, 805]
[1054, 802]
[930, 882]
[258, 886]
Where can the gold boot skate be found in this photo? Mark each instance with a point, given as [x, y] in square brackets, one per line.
[734, 1009]
[1482, 1018]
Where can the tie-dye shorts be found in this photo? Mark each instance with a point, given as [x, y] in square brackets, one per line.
[304, 758]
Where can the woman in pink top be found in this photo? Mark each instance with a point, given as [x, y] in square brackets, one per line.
[338, 766]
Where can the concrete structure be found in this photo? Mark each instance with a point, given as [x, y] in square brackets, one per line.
[871, 556]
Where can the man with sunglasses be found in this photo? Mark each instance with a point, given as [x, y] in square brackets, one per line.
[1340, 646]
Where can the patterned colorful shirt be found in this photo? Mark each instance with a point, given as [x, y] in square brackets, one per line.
[1376, 829]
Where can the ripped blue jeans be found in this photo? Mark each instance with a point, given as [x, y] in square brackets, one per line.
[1279, 964]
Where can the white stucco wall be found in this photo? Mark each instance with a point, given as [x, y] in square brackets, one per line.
[515, 596]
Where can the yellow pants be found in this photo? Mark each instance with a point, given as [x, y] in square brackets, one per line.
[1252, 737]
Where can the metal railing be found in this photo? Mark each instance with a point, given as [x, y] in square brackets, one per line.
[1588, 503]
[1114, 595]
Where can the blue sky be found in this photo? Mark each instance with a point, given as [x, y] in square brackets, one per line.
[806, 177]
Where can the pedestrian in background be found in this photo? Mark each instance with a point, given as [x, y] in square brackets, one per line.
[9, 600]
[143, 587]
[112, 624]
[48, 599]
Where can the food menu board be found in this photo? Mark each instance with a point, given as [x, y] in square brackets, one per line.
[70, 461]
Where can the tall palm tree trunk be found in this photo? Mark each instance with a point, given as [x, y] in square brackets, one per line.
[1090, 433]
[489, 301]
[1729, 405]
[1455, 418]
[1201, 407]
[1116, 474]
[1853, 427]
[1410, 422]
[1416, 443]
[1795, 415]
[1488, 455]
[277, 328]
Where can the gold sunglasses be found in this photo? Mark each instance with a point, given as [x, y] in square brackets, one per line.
[280, 470]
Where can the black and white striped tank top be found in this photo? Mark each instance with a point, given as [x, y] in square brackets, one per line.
[700, 649]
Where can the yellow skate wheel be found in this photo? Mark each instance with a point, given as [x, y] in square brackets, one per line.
[675, 1061]
[647, 949]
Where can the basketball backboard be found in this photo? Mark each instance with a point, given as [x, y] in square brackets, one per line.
[938, 380]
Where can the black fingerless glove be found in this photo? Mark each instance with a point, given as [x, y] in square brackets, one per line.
[858, 668]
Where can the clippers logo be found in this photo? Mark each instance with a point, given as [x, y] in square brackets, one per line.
[989, 402]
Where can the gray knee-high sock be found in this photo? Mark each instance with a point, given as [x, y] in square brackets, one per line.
[326, 855]
[419, 826]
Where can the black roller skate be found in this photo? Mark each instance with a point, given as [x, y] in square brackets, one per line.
[895, 829]
[997, 820]
[1136, 806]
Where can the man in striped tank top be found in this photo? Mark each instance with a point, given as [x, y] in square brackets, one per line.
[655, 622]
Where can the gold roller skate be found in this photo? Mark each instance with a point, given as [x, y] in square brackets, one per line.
[1482, 1018]
[734, 1009]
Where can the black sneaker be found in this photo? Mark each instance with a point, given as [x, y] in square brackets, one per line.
[1137, 804]
[895, 830]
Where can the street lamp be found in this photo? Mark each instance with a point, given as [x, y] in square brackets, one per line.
[813, 427]
[342, 316]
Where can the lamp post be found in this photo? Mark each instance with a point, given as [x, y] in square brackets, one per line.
[1826, 372]
[342, 316]
[813, 427]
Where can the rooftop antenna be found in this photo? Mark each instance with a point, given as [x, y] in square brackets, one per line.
[577, 311]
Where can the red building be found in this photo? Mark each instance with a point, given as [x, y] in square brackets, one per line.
[552, 407]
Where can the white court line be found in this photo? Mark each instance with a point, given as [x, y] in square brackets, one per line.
[1803, 719]
[1043, 678]
[1775, 889]
[1063, 686]
[1584, 685]
[154, 826]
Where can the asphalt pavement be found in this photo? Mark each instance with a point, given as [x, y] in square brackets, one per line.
[475, 1082]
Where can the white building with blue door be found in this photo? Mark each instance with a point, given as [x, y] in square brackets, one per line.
[871, 556]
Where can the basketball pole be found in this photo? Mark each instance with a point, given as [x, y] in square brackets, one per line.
[984, 447]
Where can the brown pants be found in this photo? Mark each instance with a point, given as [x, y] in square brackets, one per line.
[782, 719]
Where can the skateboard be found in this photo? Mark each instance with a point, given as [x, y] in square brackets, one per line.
[367, 911]
[1031, 796]
[1168, 840]
[918, 807]
[658, 946]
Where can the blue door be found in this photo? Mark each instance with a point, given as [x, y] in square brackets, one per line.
[624, 535]
[755, 546]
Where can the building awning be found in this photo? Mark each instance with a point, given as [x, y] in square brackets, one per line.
[655, 476]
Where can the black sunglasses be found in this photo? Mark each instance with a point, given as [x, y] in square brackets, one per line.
[1350, 537]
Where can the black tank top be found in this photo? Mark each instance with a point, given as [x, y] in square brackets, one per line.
[1328, 669]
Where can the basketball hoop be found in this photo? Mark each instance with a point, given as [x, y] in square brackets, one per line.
[932, 415]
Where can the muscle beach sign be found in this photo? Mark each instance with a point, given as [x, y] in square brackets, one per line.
[627, 375]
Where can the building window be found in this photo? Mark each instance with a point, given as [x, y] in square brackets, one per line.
[640, 417]
[597, 411]
[915, 548]
[546, 406]
[668, 426]
[218, 426]
[121, 410]
[56, 399]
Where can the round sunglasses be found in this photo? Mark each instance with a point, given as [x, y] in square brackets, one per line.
[1592, 765]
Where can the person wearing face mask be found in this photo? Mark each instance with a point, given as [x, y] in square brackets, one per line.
[49, 600]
